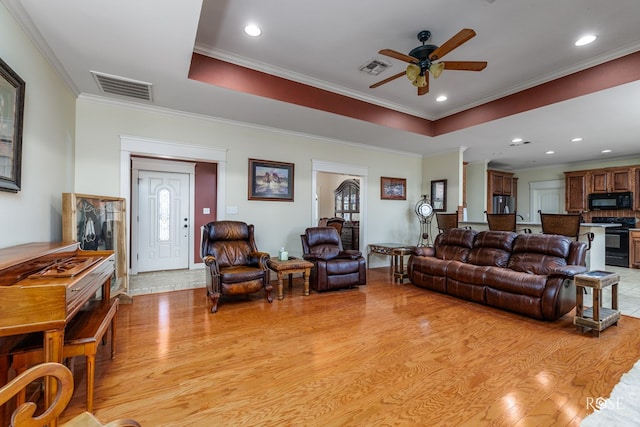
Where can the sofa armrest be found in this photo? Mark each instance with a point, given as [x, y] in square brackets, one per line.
[259, 258]
[424, 251]
[349, 254]
[211, 262]
[568, 271]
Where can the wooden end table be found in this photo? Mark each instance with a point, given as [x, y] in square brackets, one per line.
[596, 318]
[398, 254]
[289, 267]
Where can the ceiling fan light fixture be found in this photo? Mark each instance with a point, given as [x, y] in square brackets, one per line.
[413, 71]
[420, 81]
[436, 69]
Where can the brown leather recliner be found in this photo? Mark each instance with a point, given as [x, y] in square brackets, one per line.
[334, 268]
[235, 266]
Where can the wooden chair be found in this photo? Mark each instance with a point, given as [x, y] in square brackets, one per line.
[446, 221]
[565, 225]
[503, 222]
[82, 338]
[334, 222]
[24, 413]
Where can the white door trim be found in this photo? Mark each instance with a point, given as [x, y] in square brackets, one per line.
[132, 145]
[343, 169]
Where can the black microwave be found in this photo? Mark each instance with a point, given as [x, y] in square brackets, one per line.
[603, 201]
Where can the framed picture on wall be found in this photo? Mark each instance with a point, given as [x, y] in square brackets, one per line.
[439, 195]
[11, 114]
[393, 188]
[269, 180]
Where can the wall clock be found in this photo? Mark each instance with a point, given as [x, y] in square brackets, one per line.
[424, 210]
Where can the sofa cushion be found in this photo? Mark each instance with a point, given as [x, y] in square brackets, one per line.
[454, 244]
[516, 282]
[539, 253]
[492, 248]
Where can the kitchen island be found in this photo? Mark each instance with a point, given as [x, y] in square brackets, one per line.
[595, 255]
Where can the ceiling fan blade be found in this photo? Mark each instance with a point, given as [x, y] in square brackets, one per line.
[465, 65]
[397, 55]
[425, 89]
[387, 80]
[464, 35]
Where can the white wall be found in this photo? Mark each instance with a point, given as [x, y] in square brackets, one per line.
[100, 124]
[34, 213]
[476, 191]
[447, 166]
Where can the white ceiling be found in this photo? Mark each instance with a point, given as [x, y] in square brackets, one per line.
[324, 43]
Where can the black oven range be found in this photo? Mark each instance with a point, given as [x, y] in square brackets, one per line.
[616, 239]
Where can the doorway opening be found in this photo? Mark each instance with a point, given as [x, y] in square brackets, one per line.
[326, 178]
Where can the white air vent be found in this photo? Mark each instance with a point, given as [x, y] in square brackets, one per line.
[117, 85]
[375, 67]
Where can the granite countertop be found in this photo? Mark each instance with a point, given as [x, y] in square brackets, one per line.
[531, 223]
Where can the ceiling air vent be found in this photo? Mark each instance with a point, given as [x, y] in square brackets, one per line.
[117, 85]
[375, 67]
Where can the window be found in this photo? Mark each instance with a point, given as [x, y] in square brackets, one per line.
[347, 199]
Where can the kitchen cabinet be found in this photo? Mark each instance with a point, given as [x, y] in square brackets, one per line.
[576, 191]
[499, 184]
[634, 248]
[636, 188]
[611, 180]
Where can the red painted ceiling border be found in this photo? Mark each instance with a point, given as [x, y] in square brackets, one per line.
[220, 73]
[619, 71]
[235, 77]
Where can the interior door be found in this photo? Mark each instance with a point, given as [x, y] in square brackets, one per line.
[163, 221]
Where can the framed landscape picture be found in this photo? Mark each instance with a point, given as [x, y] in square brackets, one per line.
[11, 114]
[393, 188]
[269, 180]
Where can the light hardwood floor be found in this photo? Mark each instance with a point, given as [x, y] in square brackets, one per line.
[382, 354]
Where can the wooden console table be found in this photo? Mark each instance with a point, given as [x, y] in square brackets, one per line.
[596, 318]
[394, 250]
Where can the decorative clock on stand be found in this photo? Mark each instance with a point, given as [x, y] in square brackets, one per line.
[424, 210]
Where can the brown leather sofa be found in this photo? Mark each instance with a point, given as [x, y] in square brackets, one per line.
[530, 274]
[333, 267]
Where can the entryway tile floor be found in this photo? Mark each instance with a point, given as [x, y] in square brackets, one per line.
[174, 280]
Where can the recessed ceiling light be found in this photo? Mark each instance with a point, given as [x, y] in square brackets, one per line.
[516, 140]
[605, 151]
[550, 152]
[576, 140]
[441, 98]
[584, 40]
[253, 30]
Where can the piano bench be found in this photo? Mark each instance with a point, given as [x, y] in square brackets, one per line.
[81, 338]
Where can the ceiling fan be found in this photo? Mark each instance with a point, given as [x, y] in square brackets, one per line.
[421, 60]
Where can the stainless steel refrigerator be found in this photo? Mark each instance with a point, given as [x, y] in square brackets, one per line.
[503, 204]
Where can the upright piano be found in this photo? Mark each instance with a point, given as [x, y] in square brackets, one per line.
[42, 287]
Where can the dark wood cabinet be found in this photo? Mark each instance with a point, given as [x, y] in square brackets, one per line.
[611, 180]
[576, 191]
[499, 184]
[634, 249]
[636, 188]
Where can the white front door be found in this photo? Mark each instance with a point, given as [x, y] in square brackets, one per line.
[163, 224]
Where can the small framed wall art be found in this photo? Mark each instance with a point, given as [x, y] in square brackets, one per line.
[439, 195]
[269, 180]
[393, 188]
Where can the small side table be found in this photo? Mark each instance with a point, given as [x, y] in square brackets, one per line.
[290, 266]
[596, 318]
[397, 254]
